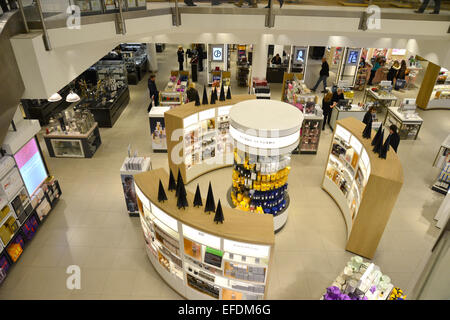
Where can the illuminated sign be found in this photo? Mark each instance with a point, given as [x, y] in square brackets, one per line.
[263, 142]
[246, 249]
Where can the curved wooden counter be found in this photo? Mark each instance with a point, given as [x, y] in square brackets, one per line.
[174, 119]
[378, 196]
[238, 225]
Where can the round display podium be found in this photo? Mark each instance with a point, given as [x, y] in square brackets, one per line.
[265, 132]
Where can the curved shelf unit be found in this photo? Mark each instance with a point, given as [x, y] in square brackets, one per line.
[206, 130]
[199, 258]
[365, 195]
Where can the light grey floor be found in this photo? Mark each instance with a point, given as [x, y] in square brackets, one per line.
[90, 227]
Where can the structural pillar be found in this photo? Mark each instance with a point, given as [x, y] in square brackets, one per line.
[259, 63]
[152, 60]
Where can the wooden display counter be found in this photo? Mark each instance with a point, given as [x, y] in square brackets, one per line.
[364, 186]
[197, 257]
[193, 151]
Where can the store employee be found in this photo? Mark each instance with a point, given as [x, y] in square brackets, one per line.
[368, 116]
[394, 137]
[276, 59]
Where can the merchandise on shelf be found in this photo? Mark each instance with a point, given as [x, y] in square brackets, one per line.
[298, 94]
[175, 91]
[360, 280]
[72, 121]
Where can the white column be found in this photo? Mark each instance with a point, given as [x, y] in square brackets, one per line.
[152, 60]
[259, 63]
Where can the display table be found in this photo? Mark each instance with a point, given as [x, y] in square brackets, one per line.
[73, 145]
[205, 142]
[310, 134]
[364, 186]
[158, 128]
[338, 113]
[385, 100]
[275, 74]
[408, 127]
[108, 114]
[199, 258]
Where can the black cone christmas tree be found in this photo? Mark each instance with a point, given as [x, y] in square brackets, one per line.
[216, 97]
[367, 130]
[377, 136]
[198, 202]
[161, 193]
[379, 144]
[218, 217]
[228, 93]
[182, 200]
[172, 183]
[179, 181]
[197, 100]
[210, 205]
[213, 98]
[222, 93]
[205, 96]
[385, 148]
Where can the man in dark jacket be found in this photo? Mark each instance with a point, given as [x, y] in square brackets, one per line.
[154, 94]
[200, 57]
[180, 54]
[324, 74]
[395, 138]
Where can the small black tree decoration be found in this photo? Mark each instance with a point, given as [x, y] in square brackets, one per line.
[182, 200]
[385, 148]
[197, 100]
[379, 144]
[198, 202]
[216, 97]
[228, 93]
[172, 183]
[218, 217]
[161, 193]
[210, 205]
[205, 96]
[367, 130]
[213, 98]
[222, 93]
[377, 137]
[179, 182]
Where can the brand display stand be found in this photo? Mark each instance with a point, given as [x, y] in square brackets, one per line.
[201, 259]
[158, 128]
[364, 186]
[130, 167]
[263, 144]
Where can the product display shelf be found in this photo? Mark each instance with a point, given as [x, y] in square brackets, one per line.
[408, 125]
[74, 144]
[360, 280]
[293, 85]
[434, 92]
[364, 186]
[193, 254]
[158, 128]
[442, 161]
[262, 155]
[354, 111]
[204, 139]
[311, 130]
[386, 99]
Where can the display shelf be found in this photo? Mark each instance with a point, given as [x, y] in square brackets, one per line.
[442, 161]
[204, 244]
[368, 201]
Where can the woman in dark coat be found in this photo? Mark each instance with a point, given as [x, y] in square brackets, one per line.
[394, 137]
[327, 107]
[180, 54]
[368, 116]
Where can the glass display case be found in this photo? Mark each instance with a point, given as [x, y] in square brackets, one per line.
[408, 124]
[135, 57]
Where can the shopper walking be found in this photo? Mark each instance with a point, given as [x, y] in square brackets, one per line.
[327, 108]
[323, 75]
[251, 3]
[392, 73]
[437, 7]
[180, 54]
[153, 91]
[375, 67]
[368, 117]
[395, 138]
[200, 57]
[270, 1]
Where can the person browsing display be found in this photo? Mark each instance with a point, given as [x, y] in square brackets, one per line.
[327, 108]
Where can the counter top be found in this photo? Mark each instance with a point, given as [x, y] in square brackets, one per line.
[238, 225]
[71, 135]
[381, 97]
[355, 108]
[402, 117]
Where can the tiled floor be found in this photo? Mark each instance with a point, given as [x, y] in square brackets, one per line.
[90, 227]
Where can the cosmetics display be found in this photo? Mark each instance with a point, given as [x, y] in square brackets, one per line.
[348, 167]
[408, 122]
[197, 260]
[74, 133]
[261, 88]
[440, 97]
[360, 280]
[297, 94]
[442, 162]
[364, 187]
[175, 91]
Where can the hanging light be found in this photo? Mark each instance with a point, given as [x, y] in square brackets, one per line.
[72, 97]
[55, 97]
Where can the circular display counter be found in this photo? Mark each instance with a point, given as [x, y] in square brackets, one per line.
[364, 186]
[265, 132]
[199, 258]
